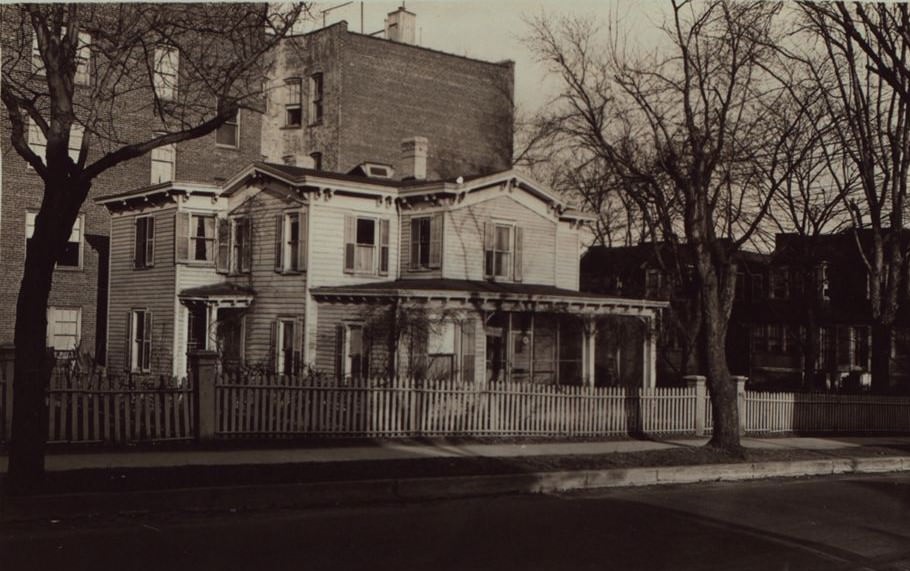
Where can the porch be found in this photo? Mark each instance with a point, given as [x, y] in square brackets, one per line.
[489, 332]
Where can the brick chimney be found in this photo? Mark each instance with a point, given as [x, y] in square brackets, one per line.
[414, 158]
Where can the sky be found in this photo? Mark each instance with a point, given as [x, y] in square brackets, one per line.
[492, 30]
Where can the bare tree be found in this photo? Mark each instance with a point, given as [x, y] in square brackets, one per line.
[865, 80]
[682, 127]
[97, 71]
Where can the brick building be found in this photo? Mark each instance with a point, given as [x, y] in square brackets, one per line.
[339, 98]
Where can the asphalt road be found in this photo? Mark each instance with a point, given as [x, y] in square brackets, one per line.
[833, 523]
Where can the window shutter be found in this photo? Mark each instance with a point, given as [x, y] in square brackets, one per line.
[414, 244]
[518, 247]
[844, 345]
[302, 243]
[436, 240]
[384, 246]
[150, 241]
[455, 373]
[223, 245]
[129, 341]
[246, 256]
[298, 344]
[147, 342]
[488, 237]
[274, 350]
[279, 242]
[339, 352]
[468, 328]
[139, 242]
[349, 223]
[181, 236]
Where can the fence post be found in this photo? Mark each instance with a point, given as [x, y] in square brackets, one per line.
[698, 382]
[740, 400]
[7, 365]
[202, 375]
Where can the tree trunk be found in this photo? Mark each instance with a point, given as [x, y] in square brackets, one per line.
[881, 358]
[725, 433]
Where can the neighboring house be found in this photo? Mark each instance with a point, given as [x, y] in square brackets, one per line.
[801, 317]
[78, 298]
[339, 98]
[356, 275]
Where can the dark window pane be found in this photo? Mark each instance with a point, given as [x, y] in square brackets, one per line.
[70, 255]
[366, 231]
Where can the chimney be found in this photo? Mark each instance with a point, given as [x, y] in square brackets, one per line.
[401, 26]
[414, 158]
[298, 160]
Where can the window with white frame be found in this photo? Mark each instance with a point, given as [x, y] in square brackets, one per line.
[83, 57]
[356, 351]
[290, 242]
[501, 244]
[144, 244]
[77, 132]
[64, 326]
[366, 245]
[293, 111]
[166, 67]
[426, 242]
[241, 245]
[163, 163]
[140, 340]
[316, 98]
[37, 142]
[286, 362]
[228, 134]
[202, 238]
[72, 252]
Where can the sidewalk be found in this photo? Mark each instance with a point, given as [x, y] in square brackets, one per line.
[86, 483]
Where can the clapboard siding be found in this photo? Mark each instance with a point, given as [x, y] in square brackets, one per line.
[150, 288]
[463, 241]
[568, 258]
[188, 276]
[277, 294]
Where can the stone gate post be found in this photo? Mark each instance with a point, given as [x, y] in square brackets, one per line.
[203, 365]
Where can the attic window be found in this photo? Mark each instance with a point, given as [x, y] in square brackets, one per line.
[373, 170]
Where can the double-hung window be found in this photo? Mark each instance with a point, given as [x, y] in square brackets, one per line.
[37, 142]
[366, 248]
[228, 134]
[83, 57]
[163, 160]
[165, 72]
[426, 242]
[502, 251]
[63, 328]
[290, 242]
[202, 238]
[144, 247]
[356, 353]
[241, 245]
[316, 99]
[293, 113]
[140, 340]
[285, 338]
[72, 252]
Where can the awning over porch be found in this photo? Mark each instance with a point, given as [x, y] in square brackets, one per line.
[492, 295]
[225, 294]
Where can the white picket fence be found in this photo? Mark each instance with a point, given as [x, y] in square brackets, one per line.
[107, 409]
[799, 412]
[405, 408]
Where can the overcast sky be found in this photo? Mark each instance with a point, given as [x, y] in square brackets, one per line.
[493, 29]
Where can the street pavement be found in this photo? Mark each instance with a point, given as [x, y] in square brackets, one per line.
[76, 459]
[855, 522]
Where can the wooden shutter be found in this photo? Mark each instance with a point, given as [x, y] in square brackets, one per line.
[436, 240]
[246, 256]
[516, 272]
[384, 246]
[349, 236]
[147, 342]
[181, 236]
[489, 231]
[279, 242]
[139, 242]
[274, 349]
[129, 341]
[468, 340]
[302, 241]
[298, 344]
[223, 245]
[150, 241]
[415, 243]
[339, 352]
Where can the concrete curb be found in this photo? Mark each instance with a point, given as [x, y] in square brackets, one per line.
[320, 494]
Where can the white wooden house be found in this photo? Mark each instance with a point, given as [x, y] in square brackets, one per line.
[362, 274]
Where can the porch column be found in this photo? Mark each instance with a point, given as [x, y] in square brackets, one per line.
[649, 353]
[589, 345]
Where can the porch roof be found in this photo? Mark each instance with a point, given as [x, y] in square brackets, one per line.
[488, 292]
[225, 292]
